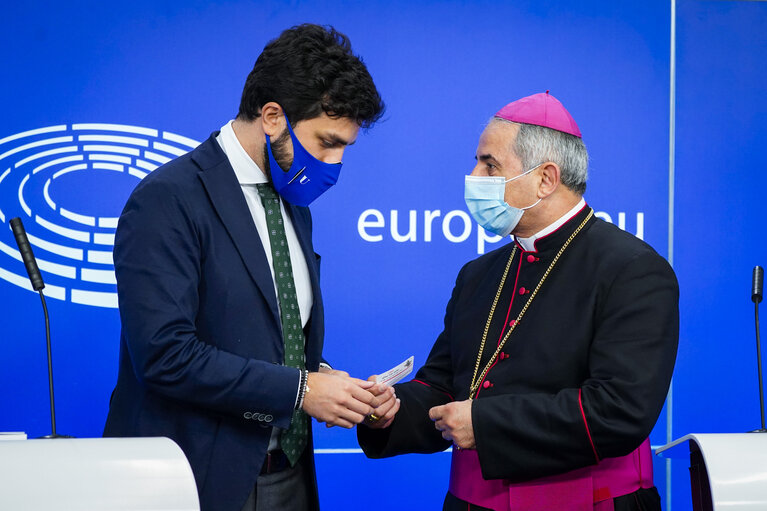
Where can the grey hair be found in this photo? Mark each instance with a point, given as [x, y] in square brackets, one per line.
[535, 145]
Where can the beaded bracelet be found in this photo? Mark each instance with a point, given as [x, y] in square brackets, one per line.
[302, 388]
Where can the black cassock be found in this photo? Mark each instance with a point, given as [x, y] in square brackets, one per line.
[598, 342]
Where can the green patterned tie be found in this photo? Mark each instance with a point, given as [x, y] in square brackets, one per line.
[292, 440]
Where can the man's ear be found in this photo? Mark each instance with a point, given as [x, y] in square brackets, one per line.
[272, 119]
[550, 179]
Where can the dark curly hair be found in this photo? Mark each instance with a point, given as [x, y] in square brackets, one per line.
[310, 69]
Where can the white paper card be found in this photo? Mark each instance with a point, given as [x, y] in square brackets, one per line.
[396, 373]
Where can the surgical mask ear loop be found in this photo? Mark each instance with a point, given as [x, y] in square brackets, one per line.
[523, 174]
[531, 206]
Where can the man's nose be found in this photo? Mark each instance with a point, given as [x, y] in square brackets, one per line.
[334, 156]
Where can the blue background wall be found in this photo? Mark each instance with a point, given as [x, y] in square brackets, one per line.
[443, 68]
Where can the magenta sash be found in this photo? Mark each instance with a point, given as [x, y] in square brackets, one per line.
[585, 489]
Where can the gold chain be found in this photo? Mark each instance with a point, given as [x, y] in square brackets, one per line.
[476, 381]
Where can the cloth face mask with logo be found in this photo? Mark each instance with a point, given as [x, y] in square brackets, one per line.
[484, 197]
[306, 179]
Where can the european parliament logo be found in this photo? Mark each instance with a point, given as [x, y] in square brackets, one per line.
[68, 183]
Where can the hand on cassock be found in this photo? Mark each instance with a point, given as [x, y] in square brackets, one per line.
[454, 421]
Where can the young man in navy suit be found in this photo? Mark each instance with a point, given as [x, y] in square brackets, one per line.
[218, 283]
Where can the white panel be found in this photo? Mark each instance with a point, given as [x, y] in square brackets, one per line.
[100, 257]
[116, 127]
[180, 139]
[94, 298]
[46, 266]
[105, 474]
[115, 139]
[98, 276]
[104, 239]
[56, 292]
[108, 222]
[63, 231]
[61, 270]
[110, 157]
[38, 131]
[111, 149]
[76, 217]
[736, 466]
[146, 165]
[156, 157]
[169, 149]
[76, 157]
[47, 195]
[109, 166]
[31, 145]
[44, 154]
[21, 196]
[137, 173]
[67, 170]
[53, 248]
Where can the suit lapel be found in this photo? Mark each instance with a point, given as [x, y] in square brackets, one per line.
[226, 195]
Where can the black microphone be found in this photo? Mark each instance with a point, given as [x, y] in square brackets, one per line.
[757, 284]
[37, 284]
[26, 254]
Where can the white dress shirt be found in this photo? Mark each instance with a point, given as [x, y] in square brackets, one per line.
[249, 175]
[528, 244]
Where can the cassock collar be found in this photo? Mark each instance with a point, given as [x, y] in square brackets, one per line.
[557, 233]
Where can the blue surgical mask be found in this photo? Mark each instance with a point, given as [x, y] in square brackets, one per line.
[307, 178]
[485, 199]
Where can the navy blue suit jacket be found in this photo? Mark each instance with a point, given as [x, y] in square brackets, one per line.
[201, 349]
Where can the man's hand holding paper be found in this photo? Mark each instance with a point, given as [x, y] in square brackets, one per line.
[386, 405]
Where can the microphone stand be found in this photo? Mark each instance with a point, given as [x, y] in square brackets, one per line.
[50, 369]
[756, 297]
[759, 364]
[37, 285]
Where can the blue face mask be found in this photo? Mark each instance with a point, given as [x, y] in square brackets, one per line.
[485, 199]
[307, 178]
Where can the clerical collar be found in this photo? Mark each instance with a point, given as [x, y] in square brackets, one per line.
[245, 168]
[528, 244]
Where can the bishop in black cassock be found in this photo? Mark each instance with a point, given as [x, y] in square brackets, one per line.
[557, 349]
